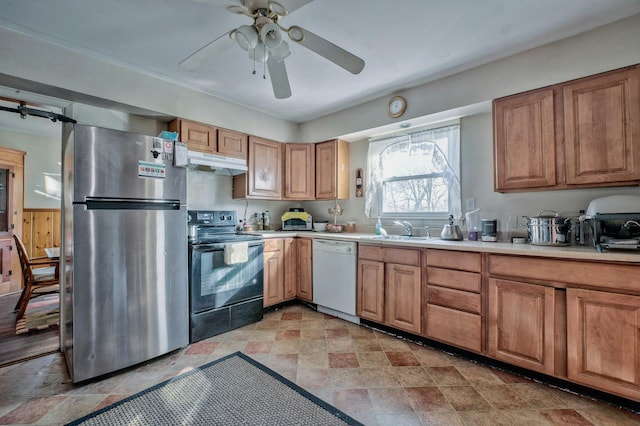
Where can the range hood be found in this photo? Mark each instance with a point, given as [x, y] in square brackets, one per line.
[218, 164]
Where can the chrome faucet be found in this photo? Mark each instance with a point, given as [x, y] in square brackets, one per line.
[408, 228]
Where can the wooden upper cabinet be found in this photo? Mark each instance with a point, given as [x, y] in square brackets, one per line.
[524, 141]
[299, 171]
[232, 143]
[206, 138]
[263, 180]
[198, 136]
[602, 128]
[332, 170]
[581, 133]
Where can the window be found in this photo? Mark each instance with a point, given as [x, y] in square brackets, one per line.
[415, 175]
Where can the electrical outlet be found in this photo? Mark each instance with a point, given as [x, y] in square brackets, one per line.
[471, 203]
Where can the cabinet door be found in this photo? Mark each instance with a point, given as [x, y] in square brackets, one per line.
[332, 170]
[305, 271]
[524, 141]
[603, 335]
[232, 143]
[290, 268]
[198, 136]
[265, 173]
[521, 324]
[404, 300]
[299, 171]
[602, 128]
[273, 272]
[370, 290]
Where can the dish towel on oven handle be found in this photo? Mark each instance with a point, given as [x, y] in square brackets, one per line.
[236, 253]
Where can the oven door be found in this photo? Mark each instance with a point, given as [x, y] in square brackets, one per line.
[214, 284]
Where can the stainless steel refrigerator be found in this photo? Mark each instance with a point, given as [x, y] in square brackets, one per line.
[124, 250]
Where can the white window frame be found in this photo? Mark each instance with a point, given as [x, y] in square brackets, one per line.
[374, 205]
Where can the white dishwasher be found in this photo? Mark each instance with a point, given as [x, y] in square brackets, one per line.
[334, 278]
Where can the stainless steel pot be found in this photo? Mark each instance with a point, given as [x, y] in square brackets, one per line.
[549, 230]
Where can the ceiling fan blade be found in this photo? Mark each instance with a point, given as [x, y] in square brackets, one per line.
[328, 50]
[279, 78]
[207, 52]
[296, 4]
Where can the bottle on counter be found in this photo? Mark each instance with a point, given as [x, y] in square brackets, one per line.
[260, 221]
[266, 220]
[378, 226]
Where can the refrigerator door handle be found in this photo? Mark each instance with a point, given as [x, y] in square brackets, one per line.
[95, 203]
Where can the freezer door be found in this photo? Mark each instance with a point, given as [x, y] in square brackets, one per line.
[129, 287]
[111, 163]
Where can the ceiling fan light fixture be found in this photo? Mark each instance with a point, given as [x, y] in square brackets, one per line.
[296, 33]
[271, 35]
[281, 52]
[247, 37]
[277, 8]
[259, 53]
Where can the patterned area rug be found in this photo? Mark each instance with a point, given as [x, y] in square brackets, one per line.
[42, 313]
[234, 390]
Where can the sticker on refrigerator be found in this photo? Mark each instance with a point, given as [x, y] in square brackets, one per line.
[168, 146]
[151, 170]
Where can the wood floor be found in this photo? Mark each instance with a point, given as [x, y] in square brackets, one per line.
[24, 346]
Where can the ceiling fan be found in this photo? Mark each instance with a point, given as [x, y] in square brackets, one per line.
[263, 40]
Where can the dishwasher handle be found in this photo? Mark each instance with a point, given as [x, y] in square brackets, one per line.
[334, 247]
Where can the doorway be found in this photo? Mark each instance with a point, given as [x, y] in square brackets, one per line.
[31, 210]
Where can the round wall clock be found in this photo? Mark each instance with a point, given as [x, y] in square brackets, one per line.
[397, 106]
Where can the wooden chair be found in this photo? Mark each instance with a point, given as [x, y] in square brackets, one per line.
[35, 284]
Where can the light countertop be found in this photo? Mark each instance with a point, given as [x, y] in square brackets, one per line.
[564, 252]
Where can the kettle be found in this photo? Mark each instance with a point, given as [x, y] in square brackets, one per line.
[451, 231]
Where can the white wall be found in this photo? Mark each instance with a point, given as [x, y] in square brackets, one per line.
[44, 68]
[41, 166]
[606, 48]
[208, 191]
[110, 88]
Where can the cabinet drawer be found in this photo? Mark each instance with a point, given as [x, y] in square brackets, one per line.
[402, 256]
[457, 328]
[461, 280]
[454, 260]
[462, 300]
[559, 272]
[273, 244]
[370, 252]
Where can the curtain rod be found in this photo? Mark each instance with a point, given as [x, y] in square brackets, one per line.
[25, 111]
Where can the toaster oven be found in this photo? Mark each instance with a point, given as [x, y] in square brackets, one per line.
[297, 221]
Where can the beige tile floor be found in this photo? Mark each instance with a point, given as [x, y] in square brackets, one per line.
[376, 378]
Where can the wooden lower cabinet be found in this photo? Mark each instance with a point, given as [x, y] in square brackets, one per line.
[273, 271]
[370, 290]
[521, 324]
[280, 270]
[454, 308]
[603, 341]
[389, 287]
[305, 269]
[403, 297]
[290, 268]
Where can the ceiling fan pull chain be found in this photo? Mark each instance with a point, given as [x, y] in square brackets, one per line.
[264, 64]
[254, 63]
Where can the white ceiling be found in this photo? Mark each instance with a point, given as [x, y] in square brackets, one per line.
[403, 42]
